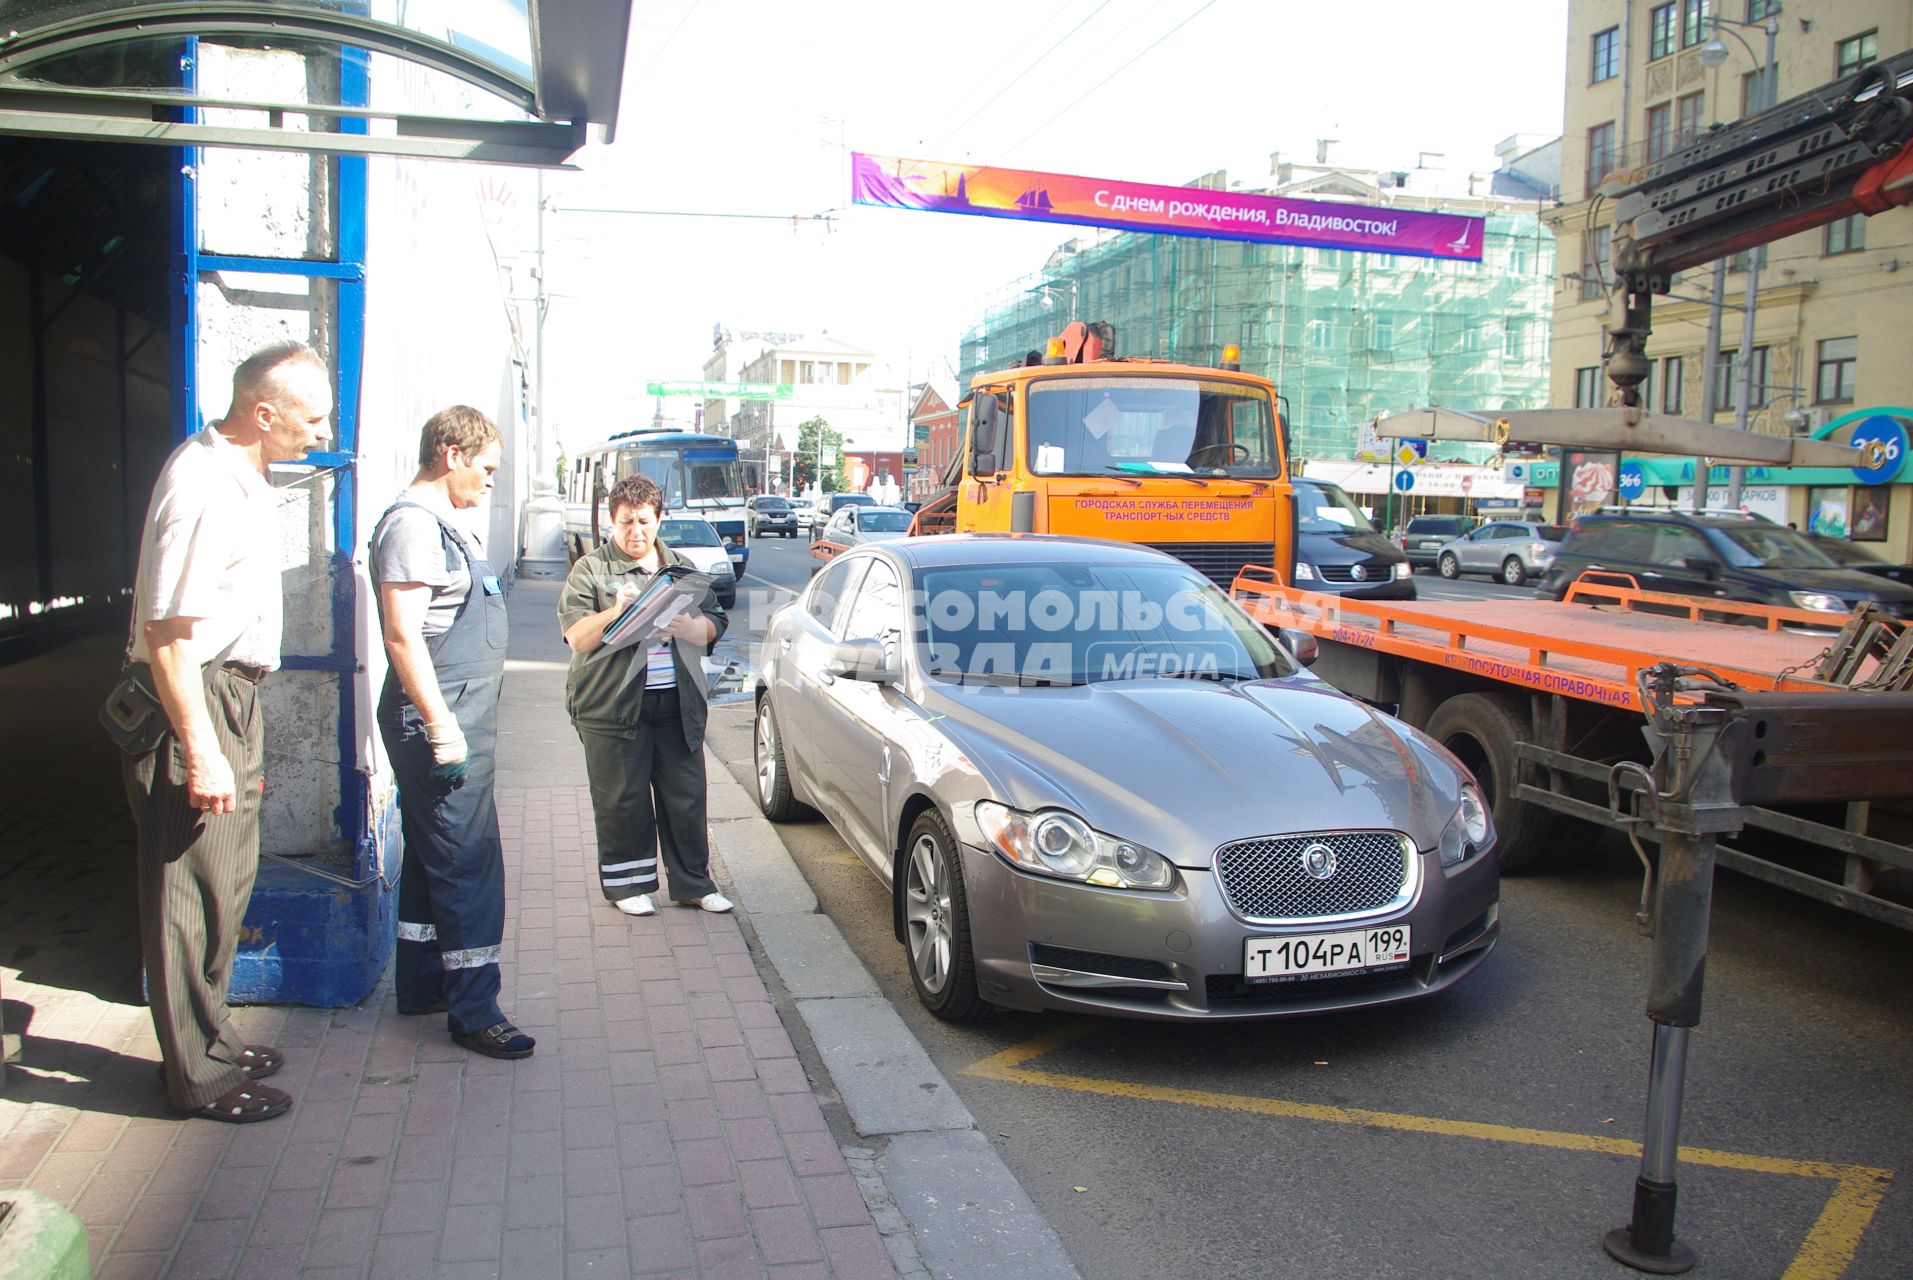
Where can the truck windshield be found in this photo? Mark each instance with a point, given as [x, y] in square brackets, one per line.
[1140, 425]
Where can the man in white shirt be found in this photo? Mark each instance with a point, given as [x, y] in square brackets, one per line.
[206, 619]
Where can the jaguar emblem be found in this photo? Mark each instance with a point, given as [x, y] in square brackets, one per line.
[1319, 861]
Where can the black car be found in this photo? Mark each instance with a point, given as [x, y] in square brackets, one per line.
[1848, 556]
[1338, 550]
[1727, 556]
[1424, 537]
[770, 513]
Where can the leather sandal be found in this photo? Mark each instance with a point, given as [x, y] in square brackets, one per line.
[257, 1060]
[246, 1104]
[501, 1040]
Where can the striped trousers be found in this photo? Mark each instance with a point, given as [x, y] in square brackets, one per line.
[195, 880]
[648, 803]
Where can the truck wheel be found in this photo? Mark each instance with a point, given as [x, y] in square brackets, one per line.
[1482, 730]
[1513, 572]
[1449, 566]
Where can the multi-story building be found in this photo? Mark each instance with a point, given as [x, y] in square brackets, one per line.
[1830, 304]
[934, 432]
[1344, 335]
[850, 387]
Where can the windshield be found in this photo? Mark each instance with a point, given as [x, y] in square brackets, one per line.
[1769, 546]
[688, 533]
[1083, 624]
[1324, 508]
[691, 480]
[772, 504]
[883, 521]
[1150, 426]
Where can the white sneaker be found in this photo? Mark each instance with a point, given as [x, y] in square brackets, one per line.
[709, 902]
[638, 906]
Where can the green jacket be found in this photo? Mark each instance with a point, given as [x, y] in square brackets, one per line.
[602, 692]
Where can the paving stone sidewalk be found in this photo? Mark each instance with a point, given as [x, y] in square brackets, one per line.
[666, 1125]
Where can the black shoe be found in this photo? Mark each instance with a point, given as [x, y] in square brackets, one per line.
[499, 1041]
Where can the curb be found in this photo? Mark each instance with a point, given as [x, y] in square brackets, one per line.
[969, 1216]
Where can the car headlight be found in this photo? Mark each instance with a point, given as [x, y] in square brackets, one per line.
[1057, 843]
[1819, 601]
[1470, 831]
[1404, 570]
[1304, 571]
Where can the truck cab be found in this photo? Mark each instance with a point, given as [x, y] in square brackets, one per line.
[1188, 459]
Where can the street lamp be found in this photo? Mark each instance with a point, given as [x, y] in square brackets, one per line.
[1713, 55]
[1048, 290]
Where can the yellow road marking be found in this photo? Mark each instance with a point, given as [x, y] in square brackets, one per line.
[1829, 1246]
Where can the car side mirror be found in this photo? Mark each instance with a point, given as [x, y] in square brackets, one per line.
[1705, 566]
[1301, 644]
[863, 659]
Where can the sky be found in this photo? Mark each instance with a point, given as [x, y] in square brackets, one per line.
[740, 114]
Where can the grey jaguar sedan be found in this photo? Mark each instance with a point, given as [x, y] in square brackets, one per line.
[1092, 783]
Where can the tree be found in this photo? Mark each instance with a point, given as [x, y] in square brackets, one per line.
[803, 463]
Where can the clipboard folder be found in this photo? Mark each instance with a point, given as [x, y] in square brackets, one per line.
[667, 595]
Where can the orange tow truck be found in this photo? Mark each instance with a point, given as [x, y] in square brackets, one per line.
[1188, 459]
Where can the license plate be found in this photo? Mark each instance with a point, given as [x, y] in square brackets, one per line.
[1308, 954]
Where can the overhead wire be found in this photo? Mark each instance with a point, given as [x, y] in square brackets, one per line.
[983, 86]
[1033, 64]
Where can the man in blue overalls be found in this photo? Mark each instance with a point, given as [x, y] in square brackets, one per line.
[443, 617]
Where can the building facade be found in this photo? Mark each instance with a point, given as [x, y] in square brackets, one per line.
[1345, 336]
[1831, 304]
[851, 388]
[934, 434]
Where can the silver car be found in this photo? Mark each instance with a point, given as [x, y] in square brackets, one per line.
[1091, 782]
[1511, 550]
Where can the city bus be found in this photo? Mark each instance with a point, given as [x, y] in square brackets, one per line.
[698, 474]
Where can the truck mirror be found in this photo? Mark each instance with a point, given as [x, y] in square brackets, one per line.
[984, 416]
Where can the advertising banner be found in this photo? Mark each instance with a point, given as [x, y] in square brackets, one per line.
[992, 192]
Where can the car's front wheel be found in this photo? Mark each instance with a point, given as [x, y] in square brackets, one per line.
[936, 922]
[1513, 572]
[773, 775]
[1450, 567]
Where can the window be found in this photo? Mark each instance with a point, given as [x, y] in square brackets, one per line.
[1321, 333]
[1834, 375]
[1600, 153]
[1384, 323]
[1660, 131]
[1687, 124]
[1758, 9]
[1605, 62]
[1663, 24]
[1727, 381]
[876, 611]
[1693, 22]
[1674, 543]
[1587, 387]
[1848, 235]
[1753, 95]
[1514, 340]
[1852, 54]
[1596, 246]
[1647, 388]
[1671, 374]
[829, 588]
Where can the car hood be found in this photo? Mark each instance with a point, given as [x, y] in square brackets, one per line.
[1184, 766]
[1848, 584]
[1347, 548]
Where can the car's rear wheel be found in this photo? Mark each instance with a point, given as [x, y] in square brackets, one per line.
[1513, 572]
[1449, 566]
[1483, 730]
[773, 775]
[936, 921]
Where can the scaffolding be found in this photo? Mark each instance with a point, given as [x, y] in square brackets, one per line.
[1343, 335]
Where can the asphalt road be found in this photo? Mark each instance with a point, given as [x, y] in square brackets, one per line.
[1474, 1134]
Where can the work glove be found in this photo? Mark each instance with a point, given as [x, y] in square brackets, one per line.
[449, 764]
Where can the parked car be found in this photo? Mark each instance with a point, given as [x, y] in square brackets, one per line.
[770, 513]
[694, 538]
[1848, 556]
[1727, 555]
[856, 524]
[1511, 550]
[1091, 782]
[1423, 537]
[1338, 550]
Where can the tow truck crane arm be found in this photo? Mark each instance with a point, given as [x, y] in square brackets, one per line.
[1842, 149]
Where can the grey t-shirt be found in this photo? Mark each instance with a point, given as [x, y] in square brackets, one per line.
[409, 547]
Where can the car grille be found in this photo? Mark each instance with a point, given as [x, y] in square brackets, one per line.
[1267, 879]
[1218, 561]
[1346, 572]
